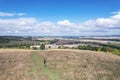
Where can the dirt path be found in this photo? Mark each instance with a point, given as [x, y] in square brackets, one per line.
[39, 72]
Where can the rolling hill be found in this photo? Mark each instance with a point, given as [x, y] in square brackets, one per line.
[61, 64]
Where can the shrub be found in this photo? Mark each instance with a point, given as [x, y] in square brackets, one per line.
[42, 46]
[116, 51]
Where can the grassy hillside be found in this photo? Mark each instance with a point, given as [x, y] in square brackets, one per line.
[14, 64]
[61, 65]
[83, 65]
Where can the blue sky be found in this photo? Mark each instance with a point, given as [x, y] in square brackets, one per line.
[60, 17]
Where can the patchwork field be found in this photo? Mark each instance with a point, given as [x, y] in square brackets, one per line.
[62, 64]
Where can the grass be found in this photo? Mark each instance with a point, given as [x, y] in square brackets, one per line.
[83, 65]
[61, 65]
[38, 64]
[14, 65]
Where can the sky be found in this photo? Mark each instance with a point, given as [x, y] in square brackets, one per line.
[59, 17]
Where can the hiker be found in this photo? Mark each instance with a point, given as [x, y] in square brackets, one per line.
[44, 60]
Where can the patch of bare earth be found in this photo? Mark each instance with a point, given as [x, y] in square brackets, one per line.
[83, 65]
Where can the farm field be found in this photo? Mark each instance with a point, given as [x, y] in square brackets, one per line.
[18, 64]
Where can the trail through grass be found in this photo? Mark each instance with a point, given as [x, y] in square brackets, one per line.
[39, 71]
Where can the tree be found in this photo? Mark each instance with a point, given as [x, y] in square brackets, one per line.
[49, 47]
[42, 46]
[104, 49]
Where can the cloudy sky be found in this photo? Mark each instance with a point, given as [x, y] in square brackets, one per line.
[59, 17]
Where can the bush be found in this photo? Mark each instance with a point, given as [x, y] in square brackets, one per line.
[104, 49]
[116, 51]
[34, 48]
[42, 46]
[59, 47]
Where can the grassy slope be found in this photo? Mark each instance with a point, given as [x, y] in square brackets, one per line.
[40, 71]
[14, 64]
[69, 64]
[83, 65]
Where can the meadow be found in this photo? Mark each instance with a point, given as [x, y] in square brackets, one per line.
[19, 64]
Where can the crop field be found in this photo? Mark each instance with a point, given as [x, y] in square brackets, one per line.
[16, 64]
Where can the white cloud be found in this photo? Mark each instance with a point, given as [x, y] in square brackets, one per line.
[65, 23]
[6, 14]
[16, 31]
[18, 24]
[105, 23]
[18, 21]
[45, 24]
[31, 26]
[21, 14]
[11, 14]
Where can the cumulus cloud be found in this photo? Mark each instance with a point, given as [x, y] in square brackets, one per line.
[14, 26]
[105, 24]
[65, 23]
[11, 14]
[31, 26]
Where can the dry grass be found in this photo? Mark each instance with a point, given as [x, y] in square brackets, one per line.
[14, 50]
[83, 65]
[70, 64]
[14, 64]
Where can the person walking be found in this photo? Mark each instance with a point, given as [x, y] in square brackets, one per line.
[44, 61]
